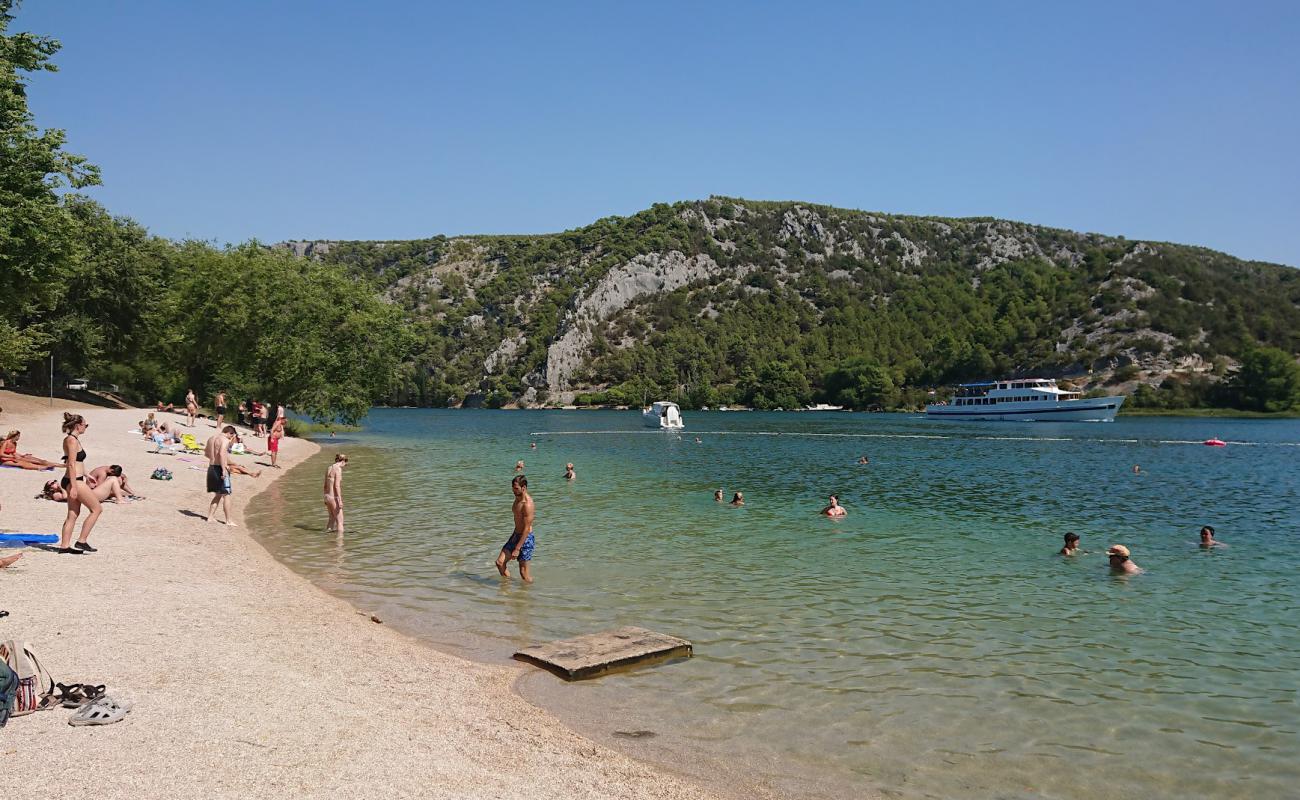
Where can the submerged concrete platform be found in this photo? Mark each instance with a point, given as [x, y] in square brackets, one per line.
[598, 653]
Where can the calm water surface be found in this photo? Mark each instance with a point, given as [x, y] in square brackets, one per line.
[929, 644]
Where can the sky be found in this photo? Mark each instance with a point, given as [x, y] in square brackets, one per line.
[1168, 121]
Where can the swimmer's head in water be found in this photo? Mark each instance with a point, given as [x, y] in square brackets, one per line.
[1207, 532]
[1118, 551]
[1071, 537]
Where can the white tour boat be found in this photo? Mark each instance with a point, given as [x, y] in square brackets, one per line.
[663, 414]
[823, 407]
[1026, 399]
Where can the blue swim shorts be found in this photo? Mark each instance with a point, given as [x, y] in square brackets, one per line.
[525, 552]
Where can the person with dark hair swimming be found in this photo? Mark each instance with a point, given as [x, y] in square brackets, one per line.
[1071, 544]
[1207, 538]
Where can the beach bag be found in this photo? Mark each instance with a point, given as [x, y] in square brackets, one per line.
[33, 681]
[161, 474]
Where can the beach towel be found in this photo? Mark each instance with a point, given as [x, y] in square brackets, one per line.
[33, 680]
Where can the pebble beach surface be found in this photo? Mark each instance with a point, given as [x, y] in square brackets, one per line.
[247, 681]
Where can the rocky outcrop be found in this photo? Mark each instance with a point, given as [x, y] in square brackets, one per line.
[641, 277]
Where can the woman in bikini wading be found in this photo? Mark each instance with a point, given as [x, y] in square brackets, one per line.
[334, 493]
[79, 494]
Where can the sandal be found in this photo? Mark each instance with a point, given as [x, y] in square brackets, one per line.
[70, 695]
[103, 711]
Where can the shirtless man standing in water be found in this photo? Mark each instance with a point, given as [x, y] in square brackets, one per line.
[334, 493]
[520, 544]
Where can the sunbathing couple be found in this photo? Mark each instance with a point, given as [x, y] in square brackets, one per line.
[10, 457]
[106, 483]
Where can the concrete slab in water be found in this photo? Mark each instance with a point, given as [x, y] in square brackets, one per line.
[597, 653]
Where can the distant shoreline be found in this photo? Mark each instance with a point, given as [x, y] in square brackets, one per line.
[1218, 413]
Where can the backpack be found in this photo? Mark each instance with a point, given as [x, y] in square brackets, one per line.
[33, 681]
[161, 474]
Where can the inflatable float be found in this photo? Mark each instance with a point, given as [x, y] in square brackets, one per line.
[1215, 443]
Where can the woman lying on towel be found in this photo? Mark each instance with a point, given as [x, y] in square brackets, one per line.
[10, 456]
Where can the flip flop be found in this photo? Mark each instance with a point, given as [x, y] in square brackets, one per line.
[103, 711]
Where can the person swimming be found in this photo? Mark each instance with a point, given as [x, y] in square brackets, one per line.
[738, 499]
[1071, 544]
[864, 460]
[1207, 538]
[717, 496]
[1120, 562]
[569, 474]
[834, 509]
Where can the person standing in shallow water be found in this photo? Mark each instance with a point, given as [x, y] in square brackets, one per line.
[334, 493]
[520, 544]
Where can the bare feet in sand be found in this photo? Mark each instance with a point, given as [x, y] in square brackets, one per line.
[7, 560]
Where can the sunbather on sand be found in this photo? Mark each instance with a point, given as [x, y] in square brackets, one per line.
[9, 455]
[100, 474]
[110, 488]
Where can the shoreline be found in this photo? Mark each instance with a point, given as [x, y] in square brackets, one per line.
[232, 658]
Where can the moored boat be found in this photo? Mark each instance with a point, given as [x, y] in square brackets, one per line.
[1025, 400]
[663, 414]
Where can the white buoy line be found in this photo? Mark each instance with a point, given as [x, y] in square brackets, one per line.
[683, 433]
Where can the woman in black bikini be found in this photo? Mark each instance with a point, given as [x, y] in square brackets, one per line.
[79, 494]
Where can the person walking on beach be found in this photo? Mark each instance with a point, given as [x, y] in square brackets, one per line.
[1120, 562]
[835, 509]
[520, 544]
[334, 493]
[74, 483]
[191, 407]
[1071, 544]
[220, 402]
[218, 454]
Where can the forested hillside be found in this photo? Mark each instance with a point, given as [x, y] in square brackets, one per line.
[777, 304]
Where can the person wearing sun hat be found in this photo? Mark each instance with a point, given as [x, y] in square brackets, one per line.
[1120, 562]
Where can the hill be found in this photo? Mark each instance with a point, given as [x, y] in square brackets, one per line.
[775, 303]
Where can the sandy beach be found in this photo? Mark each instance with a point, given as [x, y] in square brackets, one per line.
[247, 681]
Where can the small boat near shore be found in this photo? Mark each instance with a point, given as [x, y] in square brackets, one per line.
[823, 407]
[1025, 400]
[663, 414]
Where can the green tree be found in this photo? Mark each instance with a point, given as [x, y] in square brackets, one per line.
[860, 383]
[1269, 380]
[778, 385]
[36, 234]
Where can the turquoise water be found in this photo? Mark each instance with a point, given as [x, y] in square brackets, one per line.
[929, 644]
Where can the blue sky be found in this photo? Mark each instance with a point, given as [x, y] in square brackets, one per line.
[388, 120]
